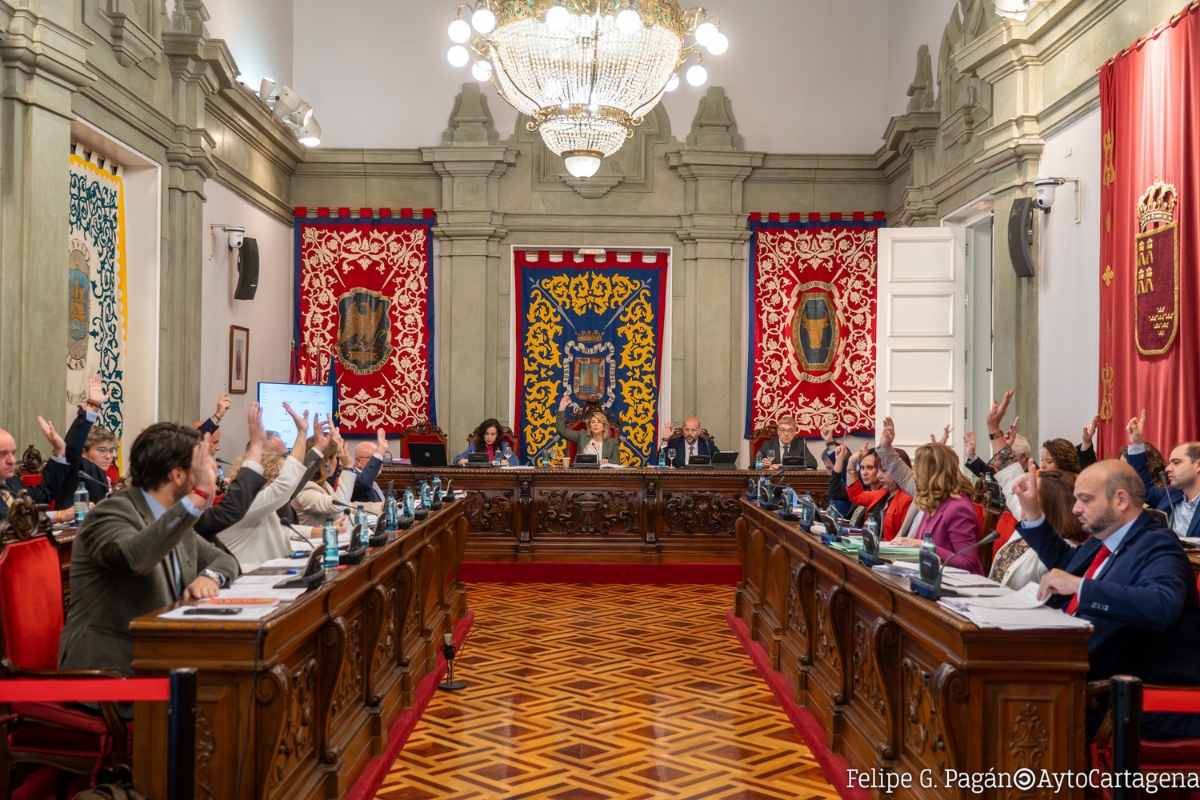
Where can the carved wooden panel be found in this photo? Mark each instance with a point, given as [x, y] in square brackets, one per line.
[709, 513]
[610, 512]
[286, 701]
[490, 511]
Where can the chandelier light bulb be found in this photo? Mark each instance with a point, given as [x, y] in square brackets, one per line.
[483, 20]
[673, 84]
[719, 44]
[558, 18]
[479, 73]
[458, 56]
[460, 31]
[582, 163]
[705, 33]
[697, 75]
[628, 21]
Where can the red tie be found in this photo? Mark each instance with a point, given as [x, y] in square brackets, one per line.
[1101, 556]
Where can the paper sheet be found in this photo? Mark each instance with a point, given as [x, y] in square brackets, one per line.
[1026, 598]
[1018, 619]
[290, 563]
[245, 614]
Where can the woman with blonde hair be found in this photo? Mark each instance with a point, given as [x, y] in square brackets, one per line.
[592, 440]
[320, 499]
[948, 513]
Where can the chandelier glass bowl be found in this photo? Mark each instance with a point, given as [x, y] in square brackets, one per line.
[586, 72]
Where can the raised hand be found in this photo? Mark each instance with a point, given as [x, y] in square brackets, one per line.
[97, 397]
[945, 437]
[969, 445]
[888, 434]
[322, 433]
[669, 430]
[381, 444]
[223, 405]
[204, 471]
[827, 433]
[996, 414]
[859, 456]
[343, 449]
[566, 401]
[300, 420]
[57, 445]
[1025, 489]
[1137, 429]
[258, 434]
[1089, 433]
[839, 457]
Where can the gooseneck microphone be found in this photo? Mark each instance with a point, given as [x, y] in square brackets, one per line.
[1166, 480]
[928, 581]
[93, 481]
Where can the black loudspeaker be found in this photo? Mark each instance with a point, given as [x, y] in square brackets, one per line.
[1020, 237]
[247, 256]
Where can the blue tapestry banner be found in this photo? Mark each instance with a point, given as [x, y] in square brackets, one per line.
[591, 326]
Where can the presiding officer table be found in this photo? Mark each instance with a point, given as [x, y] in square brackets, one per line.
[311, 691]
[612, 515]
[899, 683]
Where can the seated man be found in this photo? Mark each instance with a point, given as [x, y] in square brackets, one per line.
[62, 469]
[786, 445]
[689, 444]
[137, 552]
[1182, 494]
[368, 459]
[1130, 579]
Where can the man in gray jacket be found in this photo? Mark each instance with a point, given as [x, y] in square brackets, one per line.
[137, 551]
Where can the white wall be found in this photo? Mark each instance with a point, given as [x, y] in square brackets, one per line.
[259, 34]
[912, 23]
[1069, 286]
[268, 315]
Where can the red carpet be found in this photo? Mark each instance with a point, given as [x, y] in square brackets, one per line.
[377, 768]
[834, 766]
[606, 572]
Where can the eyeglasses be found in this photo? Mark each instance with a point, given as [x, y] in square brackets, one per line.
[105, 451]
[787, 430]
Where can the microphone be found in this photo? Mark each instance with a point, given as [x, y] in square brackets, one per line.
[448, 640]
[93, 481]
[1166, 479]
[928, 582]
[448, 652]
[222, 462]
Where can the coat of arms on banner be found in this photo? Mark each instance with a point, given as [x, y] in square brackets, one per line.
[815, 331]
[1156, 261]
[79, 281]
[364, 331]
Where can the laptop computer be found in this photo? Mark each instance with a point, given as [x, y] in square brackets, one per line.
[427, 454]
[726, 457]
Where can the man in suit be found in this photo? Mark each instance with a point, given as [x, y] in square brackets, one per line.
[786, 445]
[368, 460]
[689, 443]
[241, 491]
[1182, 495]
[1131, 580]
[137, 551]
[62, 468]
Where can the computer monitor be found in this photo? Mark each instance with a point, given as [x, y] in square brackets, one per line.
[317, 400]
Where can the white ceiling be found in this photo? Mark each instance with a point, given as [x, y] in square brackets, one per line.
[805, 76]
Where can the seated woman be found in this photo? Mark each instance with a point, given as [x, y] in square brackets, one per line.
[948, 513]
[261, 535]
[1016, 564]
[99, 450]
[486, 439]
[1059, 454]
[873, 489]
[320, 500]
[592, 440]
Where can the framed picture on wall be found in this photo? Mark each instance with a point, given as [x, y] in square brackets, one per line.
[239, 359]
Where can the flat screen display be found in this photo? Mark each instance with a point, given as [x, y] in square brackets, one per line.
[318, 400]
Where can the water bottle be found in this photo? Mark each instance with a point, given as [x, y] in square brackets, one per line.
[329, 536]
[220, 474]
[393, 515]
[872, 527]
[497, 458]
[426, 498]
[364, 531]
[758, 460]
[437, 489]
[808, 510]
[408, 503]
[662, 458]
[82, 498]
[928, 544]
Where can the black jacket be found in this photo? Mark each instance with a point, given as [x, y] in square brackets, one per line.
[56, 475]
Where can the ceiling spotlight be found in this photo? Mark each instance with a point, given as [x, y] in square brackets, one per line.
[460, 31]
[301, 116]
[458, 56]
[582, 163]
[706, 32]
[697, 75]
[558, 18]
[628, 21]
[265, 88]
[481, 71]
[483, 20]
[673, 84]
[719, 44]
[287, 103]
[310, 134]
[1016, 10]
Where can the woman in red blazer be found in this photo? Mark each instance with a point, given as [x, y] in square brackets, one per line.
[944, 495]
[887, 500]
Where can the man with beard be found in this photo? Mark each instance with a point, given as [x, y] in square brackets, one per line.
[1131, 580]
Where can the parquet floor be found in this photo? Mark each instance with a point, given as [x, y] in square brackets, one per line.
[604, 692]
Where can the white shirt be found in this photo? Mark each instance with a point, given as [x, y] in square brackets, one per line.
[261, 535]
[594, 448]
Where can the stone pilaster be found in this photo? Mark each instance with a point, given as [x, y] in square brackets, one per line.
[44, 65]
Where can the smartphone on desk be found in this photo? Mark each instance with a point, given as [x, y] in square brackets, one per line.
[212, 611]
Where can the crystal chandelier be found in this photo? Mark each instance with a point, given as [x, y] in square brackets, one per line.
[586, 72]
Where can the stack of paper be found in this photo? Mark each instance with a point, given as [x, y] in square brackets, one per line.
[1019, 610]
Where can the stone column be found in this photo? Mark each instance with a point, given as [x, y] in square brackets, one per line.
[473, 303]
[43, 66]
[708, 293]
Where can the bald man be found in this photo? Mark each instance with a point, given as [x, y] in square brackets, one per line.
[688, 444]
[62, 468]
[1130, 579]
[368, 460]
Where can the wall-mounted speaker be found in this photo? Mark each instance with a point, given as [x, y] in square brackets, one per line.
[247, 256]
[1020, 237]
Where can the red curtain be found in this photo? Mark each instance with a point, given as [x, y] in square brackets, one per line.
[1149, 221]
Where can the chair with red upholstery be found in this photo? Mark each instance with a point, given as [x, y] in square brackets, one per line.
[421, 433]
[576, 423]
[62, 736]
[761, 437]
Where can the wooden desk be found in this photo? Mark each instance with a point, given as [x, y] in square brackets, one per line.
[315, 687]
[627, 515]
[897, 682]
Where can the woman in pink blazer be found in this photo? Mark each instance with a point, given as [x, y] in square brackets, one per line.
[944, 495]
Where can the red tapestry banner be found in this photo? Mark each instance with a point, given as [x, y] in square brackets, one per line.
[812, 329]
[364, 315]
[1149, 218]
